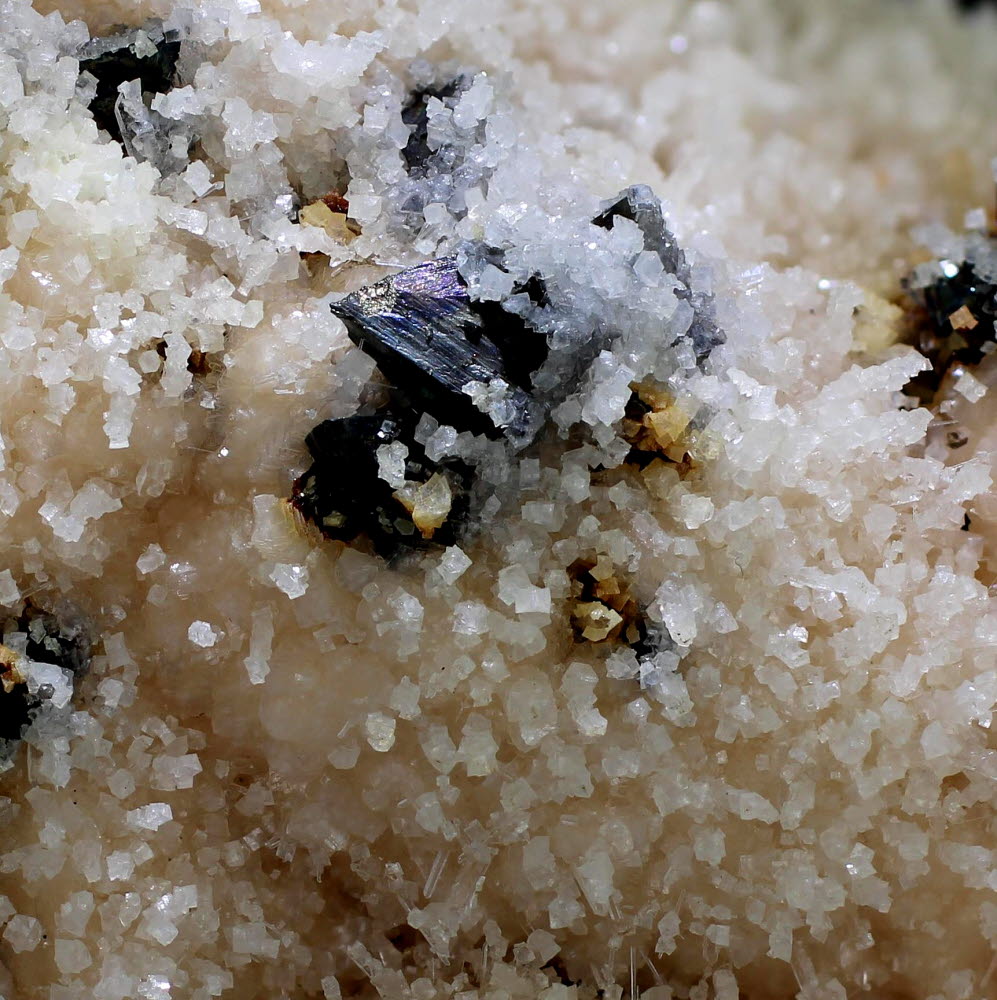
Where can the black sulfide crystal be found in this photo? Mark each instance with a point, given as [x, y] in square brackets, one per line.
[640, 205]
[59, 637]
[417, 153]
[469, 364]
[147, 54]
[959, 310]
[465, 363]
[344, 495]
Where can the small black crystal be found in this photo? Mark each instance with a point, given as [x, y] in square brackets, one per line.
[148, 54]
[640, 205]
[965, 290]
[17, 705]
[440, 350]
[59, 637]
[959, 310]
[343, 495]
[417, 151]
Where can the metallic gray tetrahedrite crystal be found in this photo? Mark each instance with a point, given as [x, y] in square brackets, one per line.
[459, 361]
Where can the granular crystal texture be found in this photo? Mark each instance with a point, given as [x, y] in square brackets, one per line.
[649, 652]
[639, 205]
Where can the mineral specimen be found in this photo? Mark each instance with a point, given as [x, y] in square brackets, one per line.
[308, 773]
[465, 364]
[639, 204]
[147, 54]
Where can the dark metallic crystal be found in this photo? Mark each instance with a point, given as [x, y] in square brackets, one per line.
[958, 321]
[59, 637]
[433, 343]
[342, 494]
[639, 204]
[417, 151]
[114, 59]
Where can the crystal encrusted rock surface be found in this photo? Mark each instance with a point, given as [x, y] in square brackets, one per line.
[298, 769]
